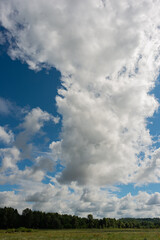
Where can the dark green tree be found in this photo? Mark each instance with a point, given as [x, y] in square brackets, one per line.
[90, 221]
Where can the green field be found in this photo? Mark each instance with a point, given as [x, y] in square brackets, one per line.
[108, 234]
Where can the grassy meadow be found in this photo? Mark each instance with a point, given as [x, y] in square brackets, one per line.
[90, 234]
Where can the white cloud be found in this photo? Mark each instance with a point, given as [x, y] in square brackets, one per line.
[35, 119]
[108, 55]
[23, 148]
[10, 156]
[55, 147]
[32, 124]
[154, 199]
[6, 137]
[8, 199]
[82, 201]
[149, 171]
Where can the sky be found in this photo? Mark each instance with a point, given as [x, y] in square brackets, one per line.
[79, 107]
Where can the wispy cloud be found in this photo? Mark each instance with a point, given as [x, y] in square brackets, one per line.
[10, 108]
[5, 106]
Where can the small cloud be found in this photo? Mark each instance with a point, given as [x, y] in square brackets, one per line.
[32, 124]
[8, 107]
[5, 106]
[35, 120]
[6, 137]
[55, 119]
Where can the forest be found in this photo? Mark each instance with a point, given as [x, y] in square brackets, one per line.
[10, 218]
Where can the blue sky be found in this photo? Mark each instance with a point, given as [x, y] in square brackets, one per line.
[77, 132]
[19, 85]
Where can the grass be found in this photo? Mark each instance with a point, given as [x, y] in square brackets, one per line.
[87, 234]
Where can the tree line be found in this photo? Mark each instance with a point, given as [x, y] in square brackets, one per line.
[10, 218]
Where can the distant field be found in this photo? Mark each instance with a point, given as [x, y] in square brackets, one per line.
[109, 234]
